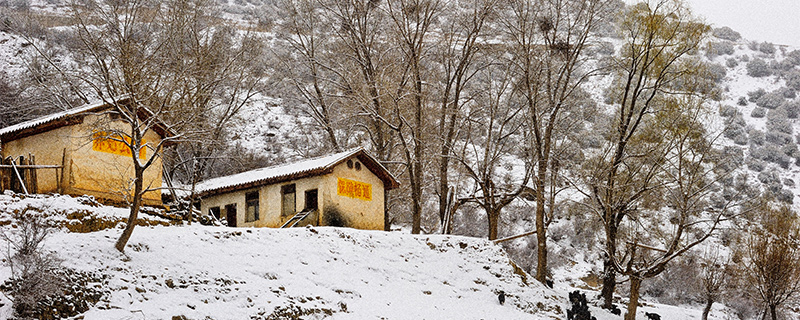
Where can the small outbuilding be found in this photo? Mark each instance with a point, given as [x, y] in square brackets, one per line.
[345, 189]
[70, 153]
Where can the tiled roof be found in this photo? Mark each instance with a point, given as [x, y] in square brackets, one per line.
[293, 171]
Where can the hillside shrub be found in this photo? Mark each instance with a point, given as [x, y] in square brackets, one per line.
[791, 108]
[721, 48]
[772, 153]
[755, 164]
[766, 47]
[777, 121]
[758, 112]
[771, 100]
[754, 95]
[727, 110]
[792, 79]
[735, 129]
[33, 269]
[793, 57]
[785, 196]
[756, 136]
[731, 63]
[758, 68]
[717, 72]
[726, 33]
[742, 101]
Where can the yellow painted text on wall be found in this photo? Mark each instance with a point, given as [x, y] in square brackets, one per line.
[109, 143]
[354, 189]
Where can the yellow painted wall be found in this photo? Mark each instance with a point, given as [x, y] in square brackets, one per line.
[345, 211]
[100, 174]
[355, 212]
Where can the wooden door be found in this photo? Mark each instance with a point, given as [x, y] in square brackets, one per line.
[230, 214]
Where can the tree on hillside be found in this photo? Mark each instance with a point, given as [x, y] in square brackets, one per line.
[679, 214]
[161, 66]
[413, 23]
[658, 36]
[367, 72]
[309, 64]
[547, 41]
[456, 54]
[494, 132]
[772, 258]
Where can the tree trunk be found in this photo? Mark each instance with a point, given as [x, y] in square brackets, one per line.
[773, 312]
[541, 233]
[707, 308]
[609, 274]
[132, 218]
[494, 218]
[636, 283]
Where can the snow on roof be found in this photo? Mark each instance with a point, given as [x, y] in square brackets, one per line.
[49, 118]
[279, 173]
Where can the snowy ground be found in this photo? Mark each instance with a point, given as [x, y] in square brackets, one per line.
[225, 273]
[238, 273]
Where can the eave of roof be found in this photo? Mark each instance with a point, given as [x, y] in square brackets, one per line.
[293, 171]
[63, 118]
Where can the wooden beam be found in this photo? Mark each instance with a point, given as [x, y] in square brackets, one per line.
[514, 237]
[30, 166]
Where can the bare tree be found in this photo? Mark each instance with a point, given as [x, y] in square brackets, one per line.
[547, 39]
[772, 258]
[412, 22]
[714, 274]
[682, 215]
[494, 131]
[456, 54]
[309, 65]
[160, 67]
[658, 35]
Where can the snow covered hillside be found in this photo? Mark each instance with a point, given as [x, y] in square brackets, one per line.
[205, 272]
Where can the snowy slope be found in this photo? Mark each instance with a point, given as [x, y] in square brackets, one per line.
[227, 273]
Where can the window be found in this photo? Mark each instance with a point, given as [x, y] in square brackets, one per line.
[251, 209]
[288, 200]
[214, 211]
[358, 165]
[350, 164]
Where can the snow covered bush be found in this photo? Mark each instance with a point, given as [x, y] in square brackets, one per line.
[727, 110]
[742, 101]
[770, 100]
[758, 68]
[792, 109]
[777, 122]
[735, 129]
[33, 269]
[758, 112]
[754, 95]
[731, 63]
[792, 79]
[766, 47]
[756, 136]
[722, 48]
[717, 72]
[726, 33]
[755, 164]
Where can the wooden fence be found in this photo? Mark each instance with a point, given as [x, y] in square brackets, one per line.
[21, 175]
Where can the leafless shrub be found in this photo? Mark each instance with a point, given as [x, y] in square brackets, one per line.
[34, 270]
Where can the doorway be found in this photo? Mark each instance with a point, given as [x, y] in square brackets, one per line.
[230, 214]
[311, 200]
